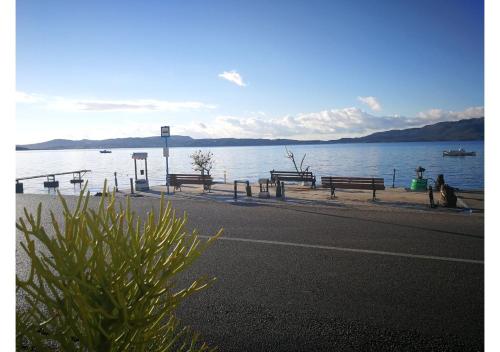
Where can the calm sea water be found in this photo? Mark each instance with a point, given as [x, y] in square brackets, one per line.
[377, 159]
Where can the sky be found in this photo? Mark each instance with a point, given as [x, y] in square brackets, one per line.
[245, 69]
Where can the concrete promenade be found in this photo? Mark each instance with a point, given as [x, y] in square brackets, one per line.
[329, 277]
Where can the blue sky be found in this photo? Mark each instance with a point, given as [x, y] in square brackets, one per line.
[271, 69]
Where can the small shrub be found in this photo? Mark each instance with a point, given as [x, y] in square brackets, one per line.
[202, 161]
[105, 282]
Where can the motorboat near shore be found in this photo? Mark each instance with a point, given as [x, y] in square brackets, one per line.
[460, 152]
[104, 151]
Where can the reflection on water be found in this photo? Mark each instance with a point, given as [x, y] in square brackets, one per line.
[374, 159]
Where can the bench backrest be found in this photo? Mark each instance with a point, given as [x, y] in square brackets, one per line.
[291, 175]
[353, 182]
[189, 178]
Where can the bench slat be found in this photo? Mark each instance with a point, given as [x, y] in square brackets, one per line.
[290, 173]
[328, 184]
[338, 178]
[292, 176]
[376, 186]
[190, 178]
[179, 179]
[190, 182]
[353, 182]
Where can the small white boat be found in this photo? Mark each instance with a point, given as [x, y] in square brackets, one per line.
[460, 152]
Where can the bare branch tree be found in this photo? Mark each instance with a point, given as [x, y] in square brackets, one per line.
[202, 161]
[291, 156]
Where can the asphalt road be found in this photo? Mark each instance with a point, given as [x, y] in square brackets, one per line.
[305, 278]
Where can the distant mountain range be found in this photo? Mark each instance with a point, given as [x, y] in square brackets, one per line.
[468, 129]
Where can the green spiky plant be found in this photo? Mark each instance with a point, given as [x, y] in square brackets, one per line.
[104, 282]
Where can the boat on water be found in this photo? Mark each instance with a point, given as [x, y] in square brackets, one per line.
[104, 151]
[460, 152]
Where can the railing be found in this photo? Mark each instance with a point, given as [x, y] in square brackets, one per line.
[51, 179]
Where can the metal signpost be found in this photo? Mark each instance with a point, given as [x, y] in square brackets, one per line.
[165, 133]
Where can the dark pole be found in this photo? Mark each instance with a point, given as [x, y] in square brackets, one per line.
[116, 182]
[431, 197]
[248, 189]
[131, 186]
[166, 158]
[373, 186]
[135, 168]
[393, 177]
[235, 190]
[146, 167]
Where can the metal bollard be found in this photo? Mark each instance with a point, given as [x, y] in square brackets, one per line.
[249, 189]
[393, 177]
[431, 198]
[116, 183]
[131, 185]
[283, 189]
[235, 190]
[278, 189]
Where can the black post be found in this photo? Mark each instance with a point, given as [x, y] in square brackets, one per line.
[235, 190]
[135, 168]
[249, 189]
[283, 189]
[131, 186]
[373, 185]
[278, 189]
[393, 177]
[116, 183]
[431, 198]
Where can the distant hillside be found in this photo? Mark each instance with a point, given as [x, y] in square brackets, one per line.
[469, 129]
[21, 148]
[463, 130]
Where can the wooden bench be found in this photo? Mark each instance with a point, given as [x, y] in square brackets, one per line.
[371, 183]
[177, 180]
[305, 176]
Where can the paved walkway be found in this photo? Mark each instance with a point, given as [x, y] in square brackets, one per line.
[297, 277]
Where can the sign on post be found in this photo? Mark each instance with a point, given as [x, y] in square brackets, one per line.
[165, 131]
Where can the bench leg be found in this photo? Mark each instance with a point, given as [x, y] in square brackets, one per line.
[332, 192]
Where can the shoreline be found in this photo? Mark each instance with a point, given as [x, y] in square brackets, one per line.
[251, 145]
[398, 198]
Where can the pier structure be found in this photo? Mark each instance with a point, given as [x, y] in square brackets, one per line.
[51, 181]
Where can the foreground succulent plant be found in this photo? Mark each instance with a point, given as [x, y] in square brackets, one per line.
[104, 281]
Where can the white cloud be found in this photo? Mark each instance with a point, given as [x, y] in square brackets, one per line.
[27, 98]
[233, 76]
[324, 125]
[99, 105]
[372, 103]
[439, 115]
